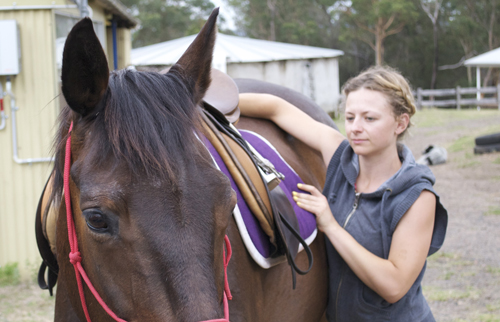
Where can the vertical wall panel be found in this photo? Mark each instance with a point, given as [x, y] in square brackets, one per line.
[316, 78]
[36, 98]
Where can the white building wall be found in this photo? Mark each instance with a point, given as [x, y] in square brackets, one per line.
[326, 87]
[315, 78]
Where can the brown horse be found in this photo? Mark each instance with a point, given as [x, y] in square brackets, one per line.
[150, 208]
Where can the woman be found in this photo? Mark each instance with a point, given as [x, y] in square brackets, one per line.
[378, 208]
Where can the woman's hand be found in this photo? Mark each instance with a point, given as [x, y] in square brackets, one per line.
[315, 203]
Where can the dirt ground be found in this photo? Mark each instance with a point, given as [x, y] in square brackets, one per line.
[462, 282]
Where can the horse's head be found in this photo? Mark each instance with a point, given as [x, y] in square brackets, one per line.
[150, 208]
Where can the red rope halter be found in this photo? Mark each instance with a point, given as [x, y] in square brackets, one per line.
[76, 259]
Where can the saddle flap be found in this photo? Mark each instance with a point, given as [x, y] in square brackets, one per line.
[232, 148]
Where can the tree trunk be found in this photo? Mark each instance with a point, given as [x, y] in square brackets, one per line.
[436, 52]
[487, 77]
[272, 8]
[379, 43]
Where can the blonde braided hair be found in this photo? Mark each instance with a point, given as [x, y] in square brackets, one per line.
[389, 82]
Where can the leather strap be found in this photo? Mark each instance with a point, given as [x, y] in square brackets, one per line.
[242, 179]
[49, 260]
[288, 237]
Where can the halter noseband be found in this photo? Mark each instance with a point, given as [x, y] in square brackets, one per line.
[76, 259]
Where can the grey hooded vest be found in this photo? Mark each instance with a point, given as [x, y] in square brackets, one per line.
[371, 219]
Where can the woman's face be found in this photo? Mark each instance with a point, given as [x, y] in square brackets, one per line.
[370, 124]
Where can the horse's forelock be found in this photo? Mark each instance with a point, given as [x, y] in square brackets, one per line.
[148, 121]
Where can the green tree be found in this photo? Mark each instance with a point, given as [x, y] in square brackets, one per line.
[162, 20]
[378, 19]
[292, 21]
[485, 13]
[432, 8]
[424, 46]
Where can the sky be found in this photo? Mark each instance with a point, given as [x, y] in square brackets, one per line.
[226, 12]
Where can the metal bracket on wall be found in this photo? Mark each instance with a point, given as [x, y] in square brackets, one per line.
[13, 110]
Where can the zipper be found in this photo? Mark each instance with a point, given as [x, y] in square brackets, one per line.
[354, 207]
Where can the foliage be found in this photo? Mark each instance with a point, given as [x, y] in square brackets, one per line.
[375, 20]
[465, 27]
[344, 25]
[9, 274]
[292, 21]
[167, 19]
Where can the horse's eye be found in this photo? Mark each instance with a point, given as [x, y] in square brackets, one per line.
[96, 221]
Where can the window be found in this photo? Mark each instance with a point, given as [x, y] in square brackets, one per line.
[64, 23]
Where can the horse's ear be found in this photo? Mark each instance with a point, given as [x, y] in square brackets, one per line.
[85, 72]
[195, 64]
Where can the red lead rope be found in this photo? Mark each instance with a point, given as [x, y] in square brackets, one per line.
[76, 259]
[227, 292]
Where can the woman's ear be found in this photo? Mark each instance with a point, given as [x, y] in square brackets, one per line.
[403, 120]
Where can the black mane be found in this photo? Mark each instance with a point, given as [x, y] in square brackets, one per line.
[147, 120]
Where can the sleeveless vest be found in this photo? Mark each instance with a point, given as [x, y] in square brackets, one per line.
[371, 218]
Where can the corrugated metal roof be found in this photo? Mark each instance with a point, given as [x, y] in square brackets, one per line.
[235, 49]
[488, 59]
[126, 19]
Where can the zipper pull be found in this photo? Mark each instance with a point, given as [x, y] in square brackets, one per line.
[356, 200]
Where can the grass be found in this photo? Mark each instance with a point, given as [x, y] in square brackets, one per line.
[434, 117]
[493, 270]
[9, 274]
[25, 302]
[493, 307]
[22, 300]
[447, 262]
[493, 211]
[447, 276]
[339, 121]
[461, 144]
[443, 255]
[489, 318]
[434, 293]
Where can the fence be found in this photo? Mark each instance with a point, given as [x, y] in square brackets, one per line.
[458, 100]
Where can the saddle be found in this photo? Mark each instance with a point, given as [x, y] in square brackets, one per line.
[256, 178]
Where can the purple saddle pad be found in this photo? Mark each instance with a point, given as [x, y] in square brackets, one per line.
[254, 238]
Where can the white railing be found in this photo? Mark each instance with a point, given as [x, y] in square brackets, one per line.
[458, 100]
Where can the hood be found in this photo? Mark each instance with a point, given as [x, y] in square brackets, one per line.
[408, 175]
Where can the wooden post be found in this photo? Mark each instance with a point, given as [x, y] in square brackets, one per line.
[419, 98]
[458, 97]
[498, 96]
[478, 86]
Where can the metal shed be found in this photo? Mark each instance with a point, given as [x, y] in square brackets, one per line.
[313, 71]
[32, 34]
